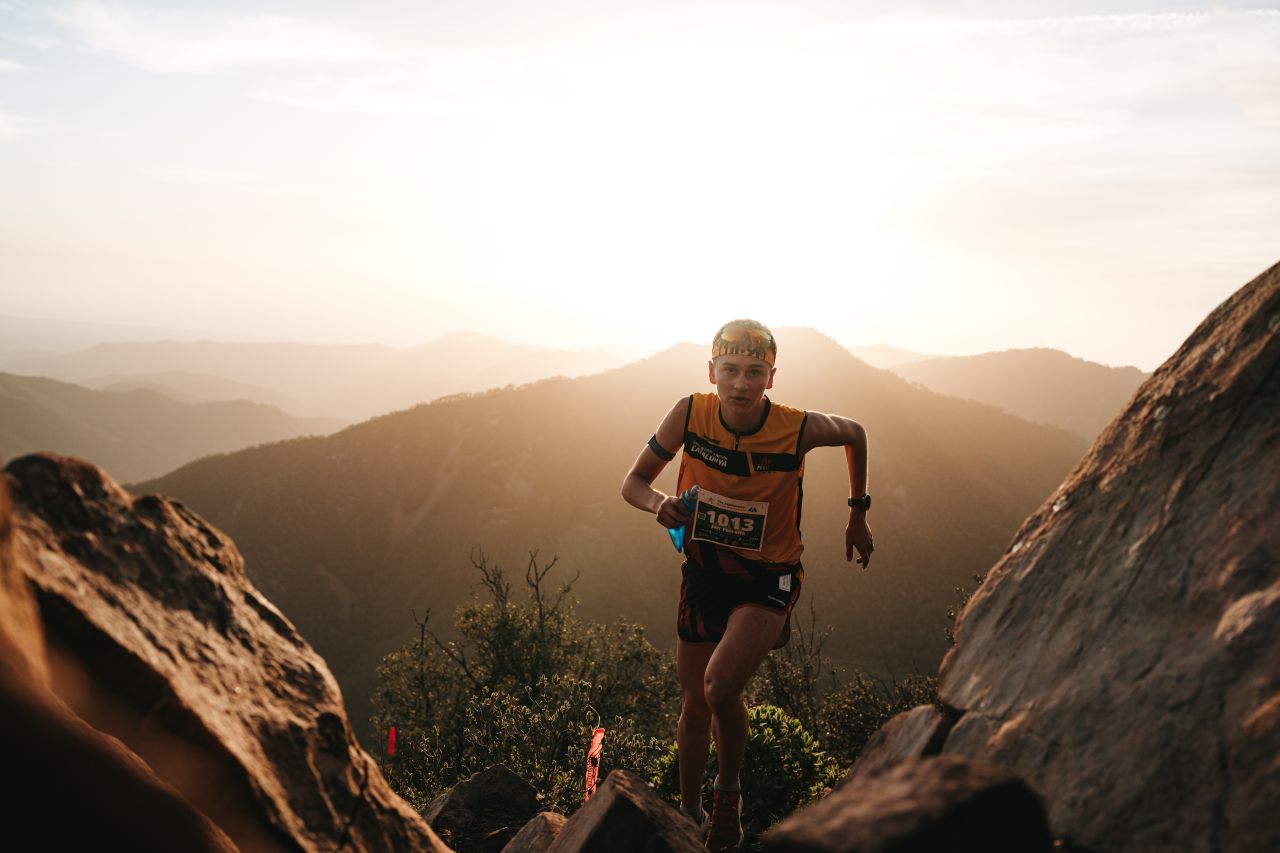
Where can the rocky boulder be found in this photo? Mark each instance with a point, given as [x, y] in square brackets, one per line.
[920, 806]
[71, 787]
[1124, 654]
[626, 816]
[156, 638]
[916, 733]
[484, 812]
[536, 835]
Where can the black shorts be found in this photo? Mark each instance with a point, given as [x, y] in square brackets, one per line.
[711, 590]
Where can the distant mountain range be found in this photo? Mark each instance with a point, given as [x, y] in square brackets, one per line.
[350, 382]
[190, 388]
[27, 337]
[134, 434]
[1042, 385]
[353, 532]
[883, 356]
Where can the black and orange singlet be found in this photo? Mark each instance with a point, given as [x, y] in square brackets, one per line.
[751, 482]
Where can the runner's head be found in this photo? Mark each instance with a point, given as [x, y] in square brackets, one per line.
[745, 337]
[741, 365]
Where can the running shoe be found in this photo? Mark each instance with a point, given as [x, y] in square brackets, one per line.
[725, 835]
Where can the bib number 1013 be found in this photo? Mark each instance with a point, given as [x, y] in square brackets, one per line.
[725, 521]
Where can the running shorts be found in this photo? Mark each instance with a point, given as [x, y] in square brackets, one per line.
[723, 582]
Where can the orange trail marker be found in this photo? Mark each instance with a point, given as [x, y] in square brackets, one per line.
[593, 761]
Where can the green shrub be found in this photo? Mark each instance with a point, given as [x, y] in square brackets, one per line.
[796, 677]
[784, 768]
[522, 684]
[852, 713]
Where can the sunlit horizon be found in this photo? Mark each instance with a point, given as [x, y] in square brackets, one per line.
[1084, 177]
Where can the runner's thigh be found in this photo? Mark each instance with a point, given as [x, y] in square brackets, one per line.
[749, 636]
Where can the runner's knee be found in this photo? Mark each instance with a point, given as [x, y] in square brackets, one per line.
[693, 705]
[722, 695]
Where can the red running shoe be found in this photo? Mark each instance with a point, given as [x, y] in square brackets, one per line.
[725, 835]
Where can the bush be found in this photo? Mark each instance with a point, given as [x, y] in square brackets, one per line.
[853, 712]
[784, 768]
[842, 709]
[953, 612]
[524, 680]
[522, 684]
[796, 677]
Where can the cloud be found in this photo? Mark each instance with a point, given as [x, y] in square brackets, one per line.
[199, 42]
[13, 125]
[196, 175]
[9, 67]
[33, 41]
[429, 82]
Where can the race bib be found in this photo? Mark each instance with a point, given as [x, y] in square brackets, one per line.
[724, 521]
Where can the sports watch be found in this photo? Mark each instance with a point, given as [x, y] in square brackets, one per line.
[863, 503]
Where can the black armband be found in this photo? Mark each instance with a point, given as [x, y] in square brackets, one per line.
[659, 449]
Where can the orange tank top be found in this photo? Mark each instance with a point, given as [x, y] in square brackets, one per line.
[751, 482]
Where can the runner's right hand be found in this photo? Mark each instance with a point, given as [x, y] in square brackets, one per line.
[672, 512]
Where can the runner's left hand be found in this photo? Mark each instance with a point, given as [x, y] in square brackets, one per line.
[858, 535]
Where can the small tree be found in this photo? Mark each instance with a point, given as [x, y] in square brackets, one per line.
[797, 676]
[519, 685]
[842, 709]
[852, 713]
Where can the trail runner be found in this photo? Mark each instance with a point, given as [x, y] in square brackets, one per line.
[741, 572]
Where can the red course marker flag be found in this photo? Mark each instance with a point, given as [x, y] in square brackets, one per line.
[391, 741]
[593, 761]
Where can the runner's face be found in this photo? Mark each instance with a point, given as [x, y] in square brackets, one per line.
[740, 380]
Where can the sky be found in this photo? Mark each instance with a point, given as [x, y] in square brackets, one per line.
[947, 178]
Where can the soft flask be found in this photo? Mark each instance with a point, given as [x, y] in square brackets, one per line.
[690, 501]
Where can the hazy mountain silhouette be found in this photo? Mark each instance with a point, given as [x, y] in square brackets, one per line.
[352, 382]
[190, 388]
[350, 533]
[28, 337]
[1043, 385]
[134, 434]
[883, 356]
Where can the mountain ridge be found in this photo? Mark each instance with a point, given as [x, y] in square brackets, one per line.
[349, 381]
[138, 433]
[352, 533]
[1038, 384]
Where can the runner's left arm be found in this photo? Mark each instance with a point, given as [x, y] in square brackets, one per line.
[823, 430]
[637, 488]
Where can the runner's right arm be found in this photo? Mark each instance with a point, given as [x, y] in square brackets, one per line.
[637, 486]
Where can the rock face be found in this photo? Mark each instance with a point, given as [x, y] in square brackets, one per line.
[626, 816]
[536, 835]
[157, 638]
[484, 812]
[57, 766]
[1124, 654]
[912, 734]
[920, 806]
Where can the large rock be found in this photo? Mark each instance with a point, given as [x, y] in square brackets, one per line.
[69, 787]
[626, 816]
[157, 638]
[537, 835]
[921, 805]
[912, 734]
[1124, 655]
[483, 812]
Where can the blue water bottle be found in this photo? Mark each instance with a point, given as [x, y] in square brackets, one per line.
[690, 501]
